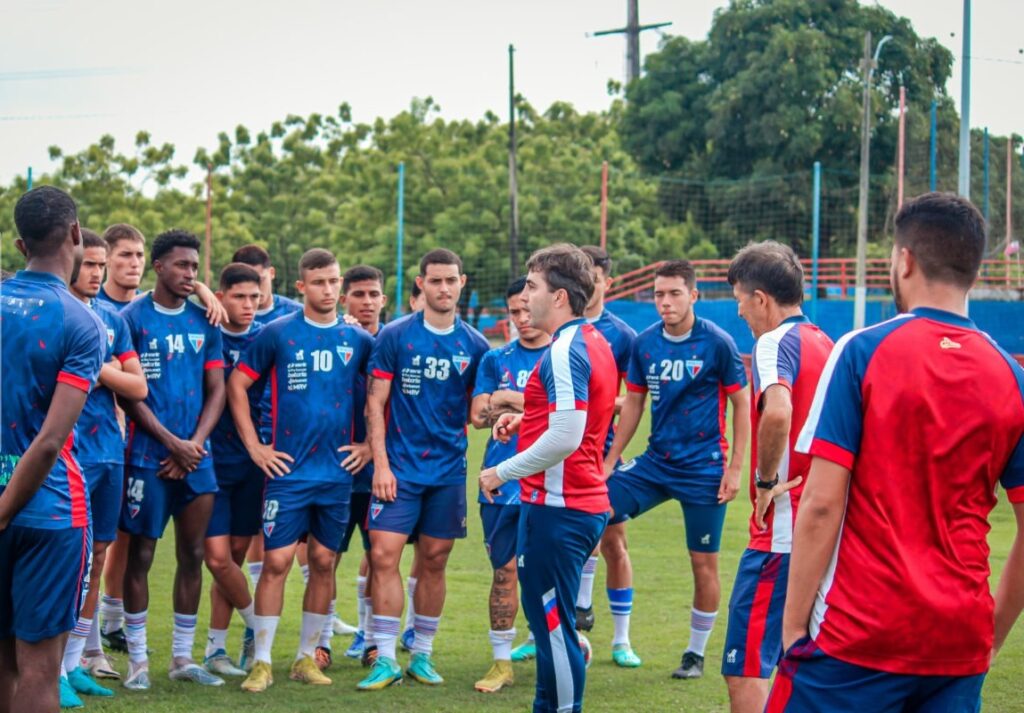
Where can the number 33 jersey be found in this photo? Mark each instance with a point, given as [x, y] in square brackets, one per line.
[432, 374]
[314, 370]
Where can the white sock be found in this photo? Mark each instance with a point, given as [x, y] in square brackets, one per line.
[621, 603]
[327, 631]
[385, 632]
[361, 602]
[368, 628]
[426, 629]
[135, 635]
[216, 640]
[111, 613]
[312, 625]
[265, 628]
[501, 642]
[410, 611]
[93, 645]
[184, 635]
[530, 639]
[255, 570]
[76, 644]
[304, 568]
[63, 670]
[585, 597]
[701, 624]
[248, 615]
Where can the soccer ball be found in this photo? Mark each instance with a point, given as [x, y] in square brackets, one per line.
[586, 648]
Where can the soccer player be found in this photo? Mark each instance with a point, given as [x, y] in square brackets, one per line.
[500, 381]
[272, 305]
[126, 261]
[888, 605]
[692, 370]
[314, 362]
[57, 344]
[170, 473]
[100, 453]
[788, 358]
[416, 303]
[238, 502]
[569, 400]
[421, 376]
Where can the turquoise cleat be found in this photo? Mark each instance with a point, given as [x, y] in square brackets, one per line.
[83, 682]
[385, 672]
[68, 697]
[624, 656]
[524, 652]
[421, 669]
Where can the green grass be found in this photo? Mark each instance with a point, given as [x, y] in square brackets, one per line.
[462, 653]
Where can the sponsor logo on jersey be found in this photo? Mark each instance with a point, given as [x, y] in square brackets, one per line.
[416, 360]
[300, 355]
[461, 362]
[197, 341]
[693, 367]
[110, 337]
[153, 345]
[947, 343]
[346, 354]
[375, 510]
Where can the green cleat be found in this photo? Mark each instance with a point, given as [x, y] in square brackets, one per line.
[624, 656]
[524, 652]
[385, 672]
[82, 681]
[422, 670]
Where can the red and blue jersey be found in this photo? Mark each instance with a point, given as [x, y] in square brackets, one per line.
[280, 306]
[176, 347]
[504, 368]
[793, 356]
[49, 337]
[689, 378]
[314, 371]
[928, 415]
[228, 448]
[576, 373]
[99, 434]
[431, 373]
[620, 337]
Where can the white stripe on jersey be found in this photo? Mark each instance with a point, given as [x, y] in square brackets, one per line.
[553, 484]
[782, 521]
[767, 356]
[561, 372]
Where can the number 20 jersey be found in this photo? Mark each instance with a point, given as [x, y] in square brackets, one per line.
[432, 374]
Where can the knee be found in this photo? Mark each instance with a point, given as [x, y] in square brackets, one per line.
[140, 557]
[217, 563]
[321, 564]
[434, 561]
[382, 558]
[190, 556]
[705, 567]
[506, 575]
[613, 546]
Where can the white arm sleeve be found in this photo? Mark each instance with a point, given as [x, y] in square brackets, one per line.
[564, 435]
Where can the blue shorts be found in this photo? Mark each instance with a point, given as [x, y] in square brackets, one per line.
[753, 640]
[358, 511]
[501, 525]
[106, 485]
[238, 503]
[293, 509]
[150, 501]
[811, 680]
[432, 510]
[43, 575]
[640, 485]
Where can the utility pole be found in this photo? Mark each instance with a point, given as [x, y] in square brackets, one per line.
[964, 184]
[632, 32]
[513, 186]
[209, 223]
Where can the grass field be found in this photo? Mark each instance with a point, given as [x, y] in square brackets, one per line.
[660, 629]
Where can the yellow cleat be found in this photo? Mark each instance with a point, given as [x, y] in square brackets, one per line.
[497, 678]
[306, 671]
[259, 679]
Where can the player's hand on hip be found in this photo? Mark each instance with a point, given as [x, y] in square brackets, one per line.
[359, 454]
[765, 498]
[791, 635]
[490, 483]
[385, 485]
[273, 463]
[730, 485]
[609, 468]
[506, 426]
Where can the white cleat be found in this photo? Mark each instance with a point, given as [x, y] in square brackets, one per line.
[341, 628]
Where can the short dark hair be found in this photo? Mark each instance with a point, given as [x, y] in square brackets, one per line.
[43, 217]
[315, 259]
[772, 268]
[566, 267]
[440, 256]
[678, 268]
[252, 255]
[90, 239]
[600, 258]
[361, 273]
[122, 231]
[415, 291]
[946, 234]
[236, 273]
[515, 287]
[168, 240]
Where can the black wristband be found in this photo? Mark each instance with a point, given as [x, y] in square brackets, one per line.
[766, 484]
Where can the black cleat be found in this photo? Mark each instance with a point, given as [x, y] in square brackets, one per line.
[115, 640]
[692, 666]
[369, 656]
[584, 619]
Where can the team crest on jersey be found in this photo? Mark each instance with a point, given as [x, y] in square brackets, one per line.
[345, 353]
[197, 341]
[268, 529]
[133, 509]
[110, 337]
[461, 362]
[375, 510]
[693, 367]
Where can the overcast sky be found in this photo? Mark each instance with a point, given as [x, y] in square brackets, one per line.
[187, 69]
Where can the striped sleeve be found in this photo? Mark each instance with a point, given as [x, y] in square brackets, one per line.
[835, 422]
[565, 373]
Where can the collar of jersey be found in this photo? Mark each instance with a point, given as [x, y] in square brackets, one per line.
[268, 310]
[593, 320]
[435, 330]
[680, 338]
[41, 277]
[236, 334]
[941, 315]
[795, 319]
[164, 310]
[573, 323]
[318, 325]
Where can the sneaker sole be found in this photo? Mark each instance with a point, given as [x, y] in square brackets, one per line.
[423, 681]
[380, 687]
[483, 689]
[302, 679]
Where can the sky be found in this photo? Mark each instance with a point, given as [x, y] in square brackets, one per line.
[189, 69]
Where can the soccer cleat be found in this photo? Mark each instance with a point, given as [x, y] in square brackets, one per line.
[692, 666]
[355, 649]
[248, 655]
[260, 678]
[323, 658]
[421, 669]
[305, 670]
[138, 677]
[584, 619]
[82, 681]
[385, 672]
[100, 666]
[194, 673]
[369, 656]
[527, 651]
[341, 628]
[499, 676]
[220, 663]
[408, 639]
[115, 640]
[624, 656]
[68, 697]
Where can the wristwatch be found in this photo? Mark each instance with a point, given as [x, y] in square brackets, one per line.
[765, 484]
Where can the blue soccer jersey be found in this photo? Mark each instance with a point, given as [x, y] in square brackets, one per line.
[48, 337]
[314, 370]
[432, 373]
[280, 306]
[99, 434]
[106, 299]
[505, 368]
[227, 445]
[176, 348]
[689, 378]
[363, 482]
[620, 337]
